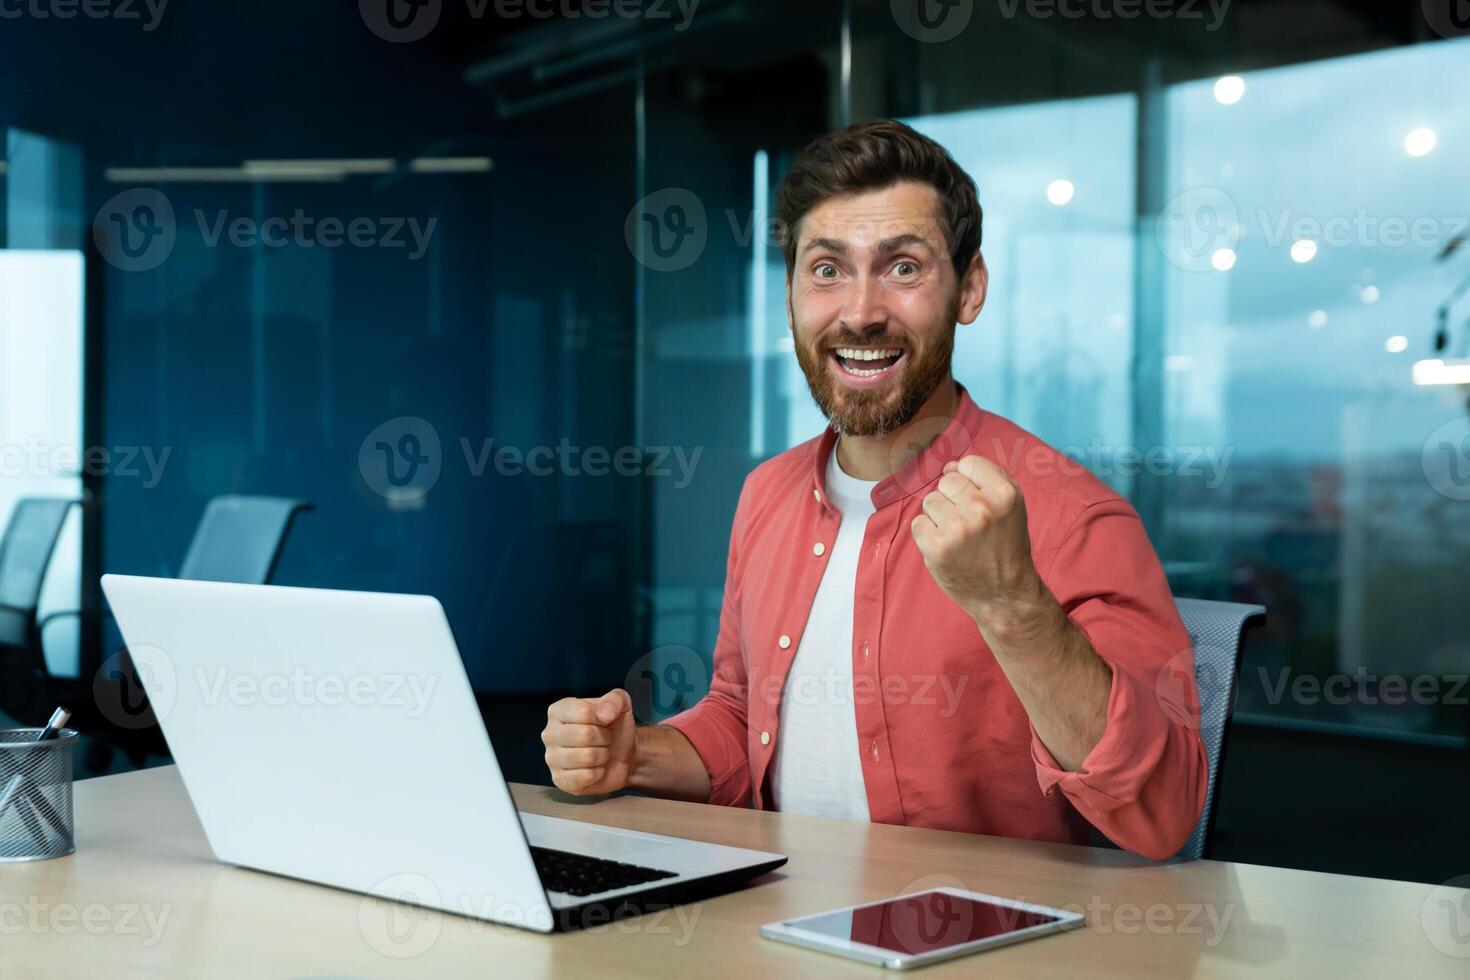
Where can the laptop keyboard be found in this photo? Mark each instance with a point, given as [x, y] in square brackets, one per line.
[579, 874]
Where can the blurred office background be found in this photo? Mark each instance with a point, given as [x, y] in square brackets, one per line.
[528, 366]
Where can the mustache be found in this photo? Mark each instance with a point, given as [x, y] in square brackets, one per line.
[848, 339]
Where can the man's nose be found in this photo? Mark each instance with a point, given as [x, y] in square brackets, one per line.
[866, 305]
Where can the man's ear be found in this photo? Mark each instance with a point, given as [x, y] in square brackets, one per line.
[973, 288]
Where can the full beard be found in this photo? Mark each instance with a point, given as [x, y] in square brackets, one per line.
[876, 412]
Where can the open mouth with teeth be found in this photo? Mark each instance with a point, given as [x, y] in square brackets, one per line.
[866, 365]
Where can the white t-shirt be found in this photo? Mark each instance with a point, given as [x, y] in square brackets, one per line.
[816, 768]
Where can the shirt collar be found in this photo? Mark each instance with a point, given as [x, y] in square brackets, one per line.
[955, 438]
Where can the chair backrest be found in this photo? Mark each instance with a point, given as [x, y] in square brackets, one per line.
[1215, 633]
[1216, 630]
[239, 539]
[26, 548]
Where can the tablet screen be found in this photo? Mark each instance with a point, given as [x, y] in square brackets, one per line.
[923, 922]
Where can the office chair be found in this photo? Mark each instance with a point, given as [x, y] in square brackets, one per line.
[25, 554]
[1216, 632]
[239, 539]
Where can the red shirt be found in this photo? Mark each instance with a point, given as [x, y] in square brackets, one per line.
[943, 738]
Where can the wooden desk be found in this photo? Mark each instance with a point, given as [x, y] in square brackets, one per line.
[141, 897]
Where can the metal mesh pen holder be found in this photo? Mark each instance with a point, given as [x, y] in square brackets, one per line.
[35, 795]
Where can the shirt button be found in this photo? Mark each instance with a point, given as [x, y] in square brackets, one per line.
[819, 549]
[765, 738]
[784, 642]
[873, 747]
[865, 651]
[817, 495]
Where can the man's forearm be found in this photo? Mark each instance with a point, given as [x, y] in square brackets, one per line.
[667, 765]
[1062, 683]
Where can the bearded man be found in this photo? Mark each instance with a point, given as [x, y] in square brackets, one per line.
[930, 617]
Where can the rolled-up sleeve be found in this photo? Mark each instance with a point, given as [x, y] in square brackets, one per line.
[1143, 784]
[717, 725]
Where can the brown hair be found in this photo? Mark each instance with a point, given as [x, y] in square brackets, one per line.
[870, 156]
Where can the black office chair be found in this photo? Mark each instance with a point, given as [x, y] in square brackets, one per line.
[239, 539]
[1216, 633]
[25, 554]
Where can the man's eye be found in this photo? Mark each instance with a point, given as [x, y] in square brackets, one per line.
[826, 271]
[905, 269]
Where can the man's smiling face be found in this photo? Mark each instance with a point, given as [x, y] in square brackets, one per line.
[872, 301]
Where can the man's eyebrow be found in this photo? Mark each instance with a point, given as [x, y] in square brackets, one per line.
[826, 245]
[901, 241]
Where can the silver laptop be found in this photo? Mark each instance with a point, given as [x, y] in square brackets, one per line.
[333, 737]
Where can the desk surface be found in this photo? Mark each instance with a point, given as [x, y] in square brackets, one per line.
[142, 897]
